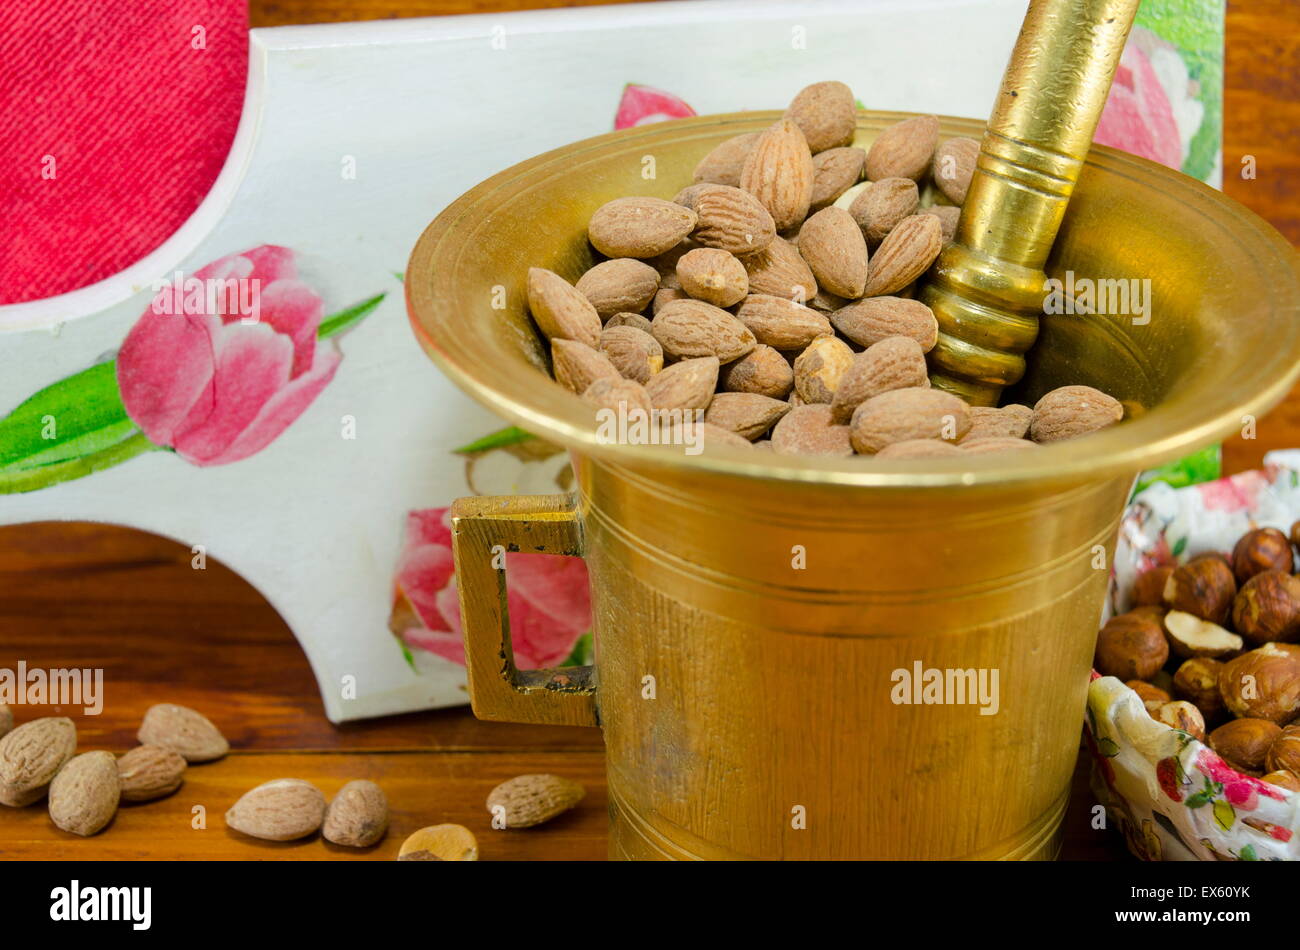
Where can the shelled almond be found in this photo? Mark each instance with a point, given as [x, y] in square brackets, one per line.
[788, 269]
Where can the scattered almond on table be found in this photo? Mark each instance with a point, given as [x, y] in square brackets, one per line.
[778, 272]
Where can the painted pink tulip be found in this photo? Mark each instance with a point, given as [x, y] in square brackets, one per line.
[547, 596]
[200, 375]
[642, 105]
[1138, 116]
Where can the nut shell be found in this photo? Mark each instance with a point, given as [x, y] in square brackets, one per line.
[529, 800]
[1263, 684]
[1197, 681]
[1131, 646]
[182, 730]
[1203, 587]
[1183, 716]
[30, 757]
[1149, 588]
[1072, 411]
[85, 794]
[150, 772]
[1284, 753]
[440, 843]
[283, 809]
[1267, 608]
[358, 815]
[1263, 549]
[1244, 743]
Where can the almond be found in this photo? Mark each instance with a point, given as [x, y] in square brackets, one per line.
[723, 164]
[763, 371]
[687, 329]
[948, 217]
[685, 385]
[577, 365]
[779, 173]
[782, 323]
[904, 255]
[634, 320]
[639, 227]
[954, 166]
[869, 321]
[148, 772]
[904, 150]
[666, 295]
[729, 219]
[714, 276]
[747, 414]
[618, 395]
[836, 252]
[635, 353]
[440, 843]
[528, 800]
[30, 757]
[882, 205]
[284, 809]
[561, 312]
[358, 815]
[779, 271]
[618, 285]
[919, 449]
[896, 362]
[182, 730]
[6, 720]
[903, 414]
[808, 430]
[835, 171]
[819, 369]
[1011, 421]
[85, 794]
[826, 115]
[996, 443]
[1072, 411]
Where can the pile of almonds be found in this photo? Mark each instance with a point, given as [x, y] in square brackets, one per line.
[779, 290]
[1220, 633]
[39, 759]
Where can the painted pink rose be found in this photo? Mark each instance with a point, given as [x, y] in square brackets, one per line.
[1236, 493]
[1138, 116]
[642, 105]
[547, 596]
[217, 375]
[1240, 790]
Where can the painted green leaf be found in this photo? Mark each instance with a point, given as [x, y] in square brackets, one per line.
[510, 435]
[1248, 853]
[1107, 747]
[338, 322]
[1197, 799]
[583, 652]
[1179, 547]
[1224, 814]
[77, 416]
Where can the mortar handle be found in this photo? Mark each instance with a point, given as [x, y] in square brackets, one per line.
[986, 288]
[483, 530]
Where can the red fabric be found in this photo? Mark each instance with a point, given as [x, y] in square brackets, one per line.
[138, 122]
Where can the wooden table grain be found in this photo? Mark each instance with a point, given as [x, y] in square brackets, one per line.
[99, 596]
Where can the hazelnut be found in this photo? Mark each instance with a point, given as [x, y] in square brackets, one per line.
[1184, 717]
[1149, 588]
[1295, 534]
[1284, 753]
[1263, 684]
[1203, 587]
[1264, 549]
[1267, 607]
[1244, 743]
[1287, 780]
[1132, 646]
[1191, 636]
[1153, 697]
[1197, 681]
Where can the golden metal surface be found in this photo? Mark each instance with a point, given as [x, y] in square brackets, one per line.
[987, 289]
[772, 682]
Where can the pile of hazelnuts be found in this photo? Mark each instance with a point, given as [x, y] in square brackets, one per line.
[1212, 645]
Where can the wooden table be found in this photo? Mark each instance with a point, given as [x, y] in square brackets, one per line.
[96, 596]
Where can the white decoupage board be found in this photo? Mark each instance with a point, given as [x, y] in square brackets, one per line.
[420, 111]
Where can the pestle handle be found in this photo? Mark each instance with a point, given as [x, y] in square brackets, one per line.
[986, 288]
